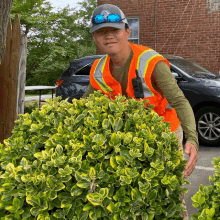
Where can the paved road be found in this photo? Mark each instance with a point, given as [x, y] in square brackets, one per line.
[204, 168]
[43, 97]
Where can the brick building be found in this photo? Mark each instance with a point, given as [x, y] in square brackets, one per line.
[177, 27]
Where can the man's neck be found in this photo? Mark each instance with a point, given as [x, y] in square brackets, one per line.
[119, 60]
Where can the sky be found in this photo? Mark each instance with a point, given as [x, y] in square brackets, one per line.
[63, 3]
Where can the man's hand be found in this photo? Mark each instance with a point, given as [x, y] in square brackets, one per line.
[190, 149]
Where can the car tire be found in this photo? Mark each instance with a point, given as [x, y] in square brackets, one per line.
[208, 125]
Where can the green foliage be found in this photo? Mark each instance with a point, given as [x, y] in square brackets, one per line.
[30, 108]
[54, 37]
[95, 158]
[206, 200]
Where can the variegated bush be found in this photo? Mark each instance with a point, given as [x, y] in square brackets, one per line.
[95, 158]
[207, 199]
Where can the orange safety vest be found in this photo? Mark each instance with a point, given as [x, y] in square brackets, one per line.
[144, 60]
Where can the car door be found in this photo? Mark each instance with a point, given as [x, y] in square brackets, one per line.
[80, 81]
[188, 87]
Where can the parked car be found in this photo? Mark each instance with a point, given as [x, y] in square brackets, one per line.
[75, 79]
[200, 86]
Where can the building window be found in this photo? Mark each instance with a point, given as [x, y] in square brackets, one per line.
[133, 24]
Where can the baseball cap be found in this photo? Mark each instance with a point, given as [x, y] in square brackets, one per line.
[105, 10]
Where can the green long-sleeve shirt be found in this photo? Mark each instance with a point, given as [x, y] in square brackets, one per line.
[165, 84]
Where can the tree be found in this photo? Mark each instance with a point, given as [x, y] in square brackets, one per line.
[54, 38]
[213, 5]
[5, 8]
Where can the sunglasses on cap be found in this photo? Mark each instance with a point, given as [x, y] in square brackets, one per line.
[98, 19]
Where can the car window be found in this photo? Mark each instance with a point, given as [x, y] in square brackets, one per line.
[190, 67]
[78, 64]
[85, 70]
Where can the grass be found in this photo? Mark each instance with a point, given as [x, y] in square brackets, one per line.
[29, 106]
[30, 103]
[26, 95]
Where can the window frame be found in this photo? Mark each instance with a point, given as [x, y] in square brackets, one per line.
[89, 64]
[138, 18]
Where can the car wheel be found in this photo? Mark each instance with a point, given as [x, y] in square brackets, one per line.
[208, 125]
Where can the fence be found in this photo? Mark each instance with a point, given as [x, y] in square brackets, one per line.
[21, 77]
[8, 78]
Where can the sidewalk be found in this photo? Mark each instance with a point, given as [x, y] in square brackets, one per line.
[43, 97]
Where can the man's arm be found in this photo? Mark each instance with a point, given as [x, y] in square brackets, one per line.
[89, 91]
[166, 84]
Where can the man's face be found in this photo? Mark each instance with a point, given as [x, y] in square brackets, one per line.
[111, 40]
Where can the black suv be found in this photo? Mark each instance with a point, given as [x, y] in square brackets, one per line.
[200, 86]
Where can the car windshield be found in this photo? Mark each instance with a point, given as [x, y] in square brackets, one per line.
[192, 68]
[78, 64]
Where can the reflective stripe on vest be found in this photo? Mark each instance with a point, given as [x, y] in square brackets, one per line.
[98, 75]
[142, 65]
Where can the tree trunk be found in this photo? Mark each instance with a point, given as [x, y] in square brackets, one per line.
[5, 9]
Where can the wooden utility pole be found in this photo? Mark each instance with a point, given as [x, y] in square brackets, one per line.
[8, 79]
[5, 9]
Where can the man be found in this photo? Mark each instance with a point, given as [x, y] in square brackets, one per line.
[139, 72]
